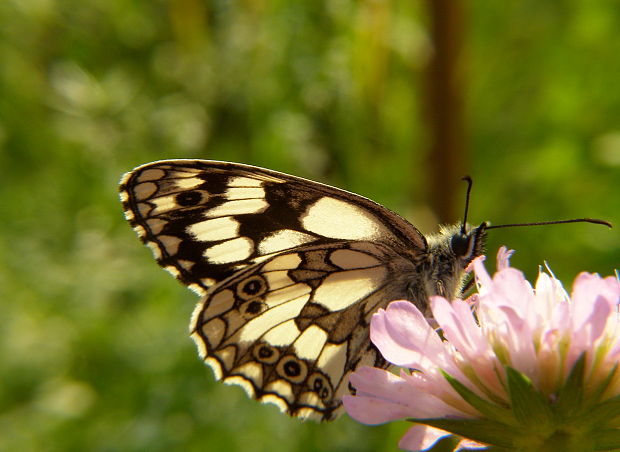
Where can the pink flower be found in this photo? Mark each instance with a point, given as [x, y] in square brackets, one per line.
[519, 345]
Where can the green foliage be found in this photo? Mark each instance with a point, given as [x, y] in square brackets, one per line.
[94, 353]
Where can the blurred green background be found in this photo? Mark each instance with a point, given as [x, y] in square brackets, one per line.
[94, 351]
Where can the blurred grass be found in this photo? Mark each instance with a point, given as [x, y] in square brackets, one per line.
[94, 353]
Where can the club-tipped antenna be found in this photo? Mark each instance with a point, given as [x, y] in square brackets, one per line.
[470, 182]
[542, 223]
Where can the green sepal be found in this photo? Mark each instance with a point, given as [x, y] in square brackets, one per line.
[570, 396]
[529, 406]
[480, 430]
[604, 413]
[445, 444]
[607, 439]
[486, 408]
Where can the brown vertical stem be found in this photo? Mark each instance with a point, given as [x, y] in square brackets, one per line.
[447, 160]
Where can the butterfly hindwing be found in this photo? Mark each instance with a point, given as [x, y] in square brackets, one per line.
[290, 329]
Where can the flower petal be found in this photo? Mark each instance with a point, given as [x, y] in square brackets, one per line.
[373, 411]
[467, 444]
[591, 329]
[403, 335]
[436, 397]
[379, 382]
[510, 288]
[463, 332]
[503, 257]
[398, 395]
[459, 326]
[482, 278]
[586, 288]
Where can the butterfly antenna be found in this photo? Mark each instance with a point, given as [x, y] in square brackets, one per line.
[542, 223]
[470, 182]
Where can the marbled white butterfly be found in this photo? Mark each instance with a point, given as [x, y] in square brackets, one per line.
[290, 272]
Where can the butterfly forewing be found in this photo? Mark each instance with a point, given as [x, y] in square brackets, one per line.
[290, 271]
[205, 220]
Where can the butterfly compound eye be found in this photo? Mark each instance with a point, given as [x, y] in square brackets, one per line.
[469, 245]
[459, 243]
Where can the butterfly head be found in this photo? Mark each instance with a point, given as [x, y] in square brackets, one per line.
[467, 243]
[449, 253]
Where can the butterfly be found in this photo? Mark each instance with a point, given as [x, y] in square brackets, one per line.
[290, 272]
